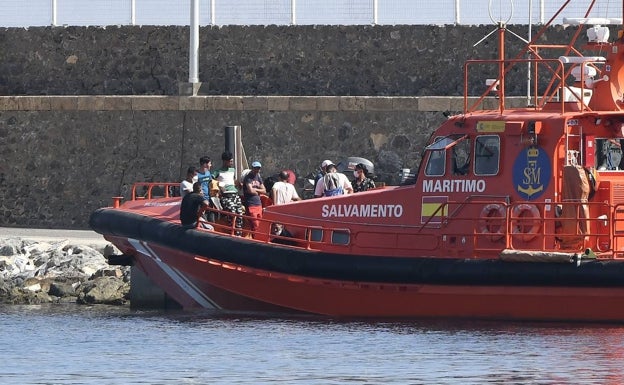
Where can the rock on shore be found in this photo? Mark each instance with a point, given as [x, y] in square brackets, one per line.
[41, 272]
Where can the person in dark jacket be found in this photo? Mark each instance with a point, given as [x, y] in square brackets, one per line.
[361, 182]
[192, 206]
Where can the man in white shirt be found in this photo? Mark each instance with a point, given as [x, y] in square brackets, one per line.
[186, 186]
[282, 191]
[333, 183]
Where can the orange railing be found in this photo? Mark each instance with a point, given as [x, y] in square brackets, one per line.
[483, 224]
[557, 85]
[488, 226]
[151, 190]
[306, 236]
[289, 234]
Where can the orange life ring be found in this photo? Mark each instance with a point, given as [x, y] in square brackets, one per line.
[526, 221]
[492, 221]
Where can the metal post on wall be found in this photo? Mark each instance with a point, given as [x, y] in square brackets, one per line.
[375, 12]
[54, 21]
[293, 12]
[457, 16]
[234, 144]
[133, 12]
[194, 44]
[213, 11]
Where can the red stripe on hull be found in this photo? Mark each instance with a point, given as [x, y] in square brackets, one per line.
[235, 287]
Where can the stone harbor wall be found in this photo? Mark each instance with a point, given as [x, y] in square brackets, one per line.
[69, 140]
[63, 157]
[53, 272]
[384, 60]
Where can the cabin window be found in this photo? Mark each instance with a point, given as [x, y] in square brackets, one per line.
[340, 237]
[316, 235]
[487, 155]
[461, 157]
[609, 154]
[436, 163]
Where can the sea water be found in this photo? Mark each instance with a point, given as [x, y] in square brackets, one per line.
[75, 344]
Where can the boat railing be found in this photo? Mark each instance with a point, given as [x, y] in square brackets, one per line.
[309, 237]
[555, 91]
[485, 224]
[571, 226]
[278, 232]
[488, 226]
[149, 190]
[152, 190]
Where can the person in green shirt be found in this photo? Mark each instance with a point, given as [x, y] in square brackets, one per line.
[230, 200]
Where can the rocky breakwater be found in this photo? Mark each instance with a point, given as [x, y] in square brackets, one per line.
[46, 272]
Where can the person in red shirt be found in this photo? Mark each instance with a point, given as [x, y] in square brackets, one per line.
[253, 186]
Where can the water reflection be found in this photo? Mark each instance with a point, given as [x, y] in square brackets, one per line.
[70, 344]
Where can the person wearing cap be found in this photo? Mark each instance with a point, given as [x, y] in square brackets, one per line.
[253, 186]
[333, 183]
[227, 181]
[321, 174]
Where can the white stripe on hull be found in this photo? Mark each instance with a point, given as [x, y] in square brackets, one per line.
[176, 276]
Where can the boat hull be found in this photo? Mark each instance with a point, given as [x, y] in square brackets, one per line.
[201, 269]
[202, 282]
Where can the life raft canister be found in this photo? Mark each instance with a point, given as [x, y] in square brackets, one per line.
[526, 221]
[492, 221]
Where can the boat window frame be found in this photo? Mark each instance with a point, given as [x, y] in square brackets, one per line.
[481, 140]
[344, 234]
[439, 146]
[312, 234]
[450, 142]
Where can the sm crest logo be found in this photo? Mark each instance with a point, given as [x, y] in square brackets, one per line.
[531, 173]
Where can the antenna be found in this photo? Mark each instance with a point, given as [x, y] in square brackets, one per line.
[498, 85]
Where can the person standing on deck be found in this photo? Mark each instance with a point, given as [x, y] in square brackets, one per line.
[361, 182]
[321, 174]
[253, 186]
[230, 200]
[204, 177]
[282, 191]
[333, 183]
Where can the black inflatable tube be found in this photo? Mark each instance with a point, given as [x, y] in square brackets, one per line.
[380, 269]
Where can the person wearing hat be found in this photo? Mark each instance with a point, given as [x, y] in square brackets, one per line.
[333, 183]
[253, 186]
[361, 182]
[321, 174]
